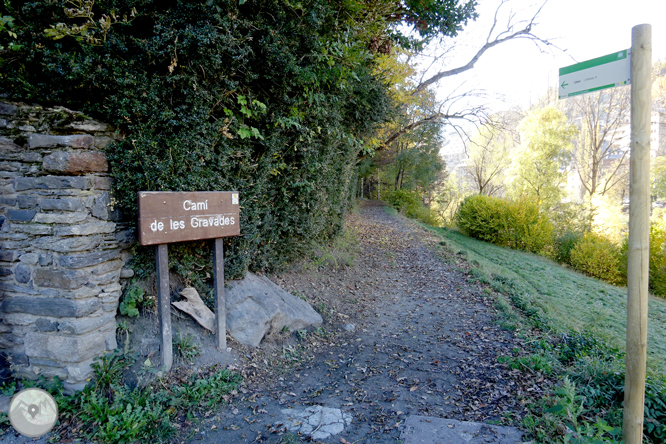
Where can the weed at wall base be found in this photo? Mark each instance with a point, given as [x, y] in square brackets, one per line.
[109, 411]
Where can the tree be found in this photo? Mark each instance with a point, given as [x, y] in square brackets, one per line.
[455, 107]
[417, 164]
[599, 160]
[489, 153]
[542, 159]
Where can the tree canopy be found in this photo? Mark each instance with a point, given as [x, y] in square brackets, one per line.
[274, 99]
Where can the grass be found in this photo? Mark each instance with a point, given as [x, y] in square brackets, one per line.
[575, 329]
[561, 299]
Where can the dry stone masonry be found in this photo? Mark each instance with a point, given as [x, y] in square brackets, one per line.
[60, 243]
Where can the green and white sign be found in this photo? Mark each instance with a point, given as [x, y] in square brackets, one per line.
[592, 75]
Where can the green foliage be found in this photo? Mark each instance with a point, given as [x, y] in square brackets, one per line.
[186, 348]
[411, 205]
[597, 256]
[483, 217]
[6, 26]
[529, 229]
[658, 173]
[658, 258]
[415, 160]
[517, 224]
[131, 302]
[564, 244]
[109, 411]
[541, 160]
[268, 99]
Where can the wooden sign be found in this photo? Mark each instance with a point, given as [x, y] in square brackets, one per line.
[166, 217]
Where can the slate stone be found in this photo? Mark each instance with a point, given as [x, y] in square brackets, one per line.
[44, 324]
[27, 202]
[61, 218]
[29, 258]
[9, 201]
[62, 204]
[7, 110]
[3, 123]
[7, 145]
[10, 341]
[80, 371]
[90, 126]
[103, 142]
[64, 279]
[64, 348]
[35, 229]
[78, 162]
[52, 183]
[88, 259]
[101, 207]
[45, 259]
[87, 229]
[68, 245]
[48, 141]
[28, 128]
[21, 215]
[8, 287]
[4, 271]
[103, 183]
[85, 325]
[53, 307]
[22, 273]
[30, 157]
[257, 307]
[2, 220]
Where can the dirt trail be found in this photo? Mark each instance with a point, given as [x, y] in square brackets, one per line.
[424, 342]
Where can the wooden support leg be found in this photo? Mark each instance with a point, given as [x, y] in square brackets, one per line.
[164, 305]
[220, 308]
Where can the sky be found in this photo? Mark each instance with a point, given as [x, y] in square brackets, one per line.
[520, 72]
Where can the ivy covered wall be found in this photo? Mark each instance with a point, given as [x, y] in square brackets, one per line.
[268, 98]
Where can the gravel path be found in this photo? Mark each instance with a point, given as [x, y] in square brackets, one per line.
[406, 332]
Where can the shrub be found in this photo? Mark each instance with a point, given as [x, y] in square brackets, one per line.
[410, 204]
[528, 229]
[597, 256]
[516, 224]
[483, 217]
[564, 244]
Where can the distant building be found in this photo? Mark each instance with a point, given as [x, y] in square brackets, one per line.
[657, 137]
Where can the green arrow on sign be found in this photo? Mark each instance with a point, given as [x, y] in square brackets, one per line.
[564, 84]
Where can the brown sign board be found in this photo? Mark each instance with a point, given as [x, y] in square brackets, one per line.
[178, 216]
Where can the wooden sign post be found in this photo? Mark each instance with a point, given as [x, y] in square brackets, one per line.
[639, 234]
[608, 72]
[166, 217]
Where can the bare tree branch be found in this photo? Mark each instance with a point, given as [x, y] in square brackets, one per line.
[504, 36]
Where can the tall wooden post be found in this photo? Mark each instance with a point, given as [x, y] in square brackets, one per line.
[220, 304]
[164, 305]
[639, 234]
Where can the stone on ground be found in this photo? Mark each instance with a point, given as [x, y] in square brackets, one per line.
[256, 307]
[316, 421]
[429, 430]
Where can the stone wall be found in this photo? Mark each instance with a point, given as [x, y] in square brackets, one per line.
[60, 243]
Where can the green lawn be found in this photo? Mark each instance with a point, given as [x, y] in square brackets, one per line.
[567, 300]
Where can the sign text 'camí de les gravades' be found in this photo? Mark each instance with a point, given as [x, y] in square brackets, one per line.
[166, 217]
